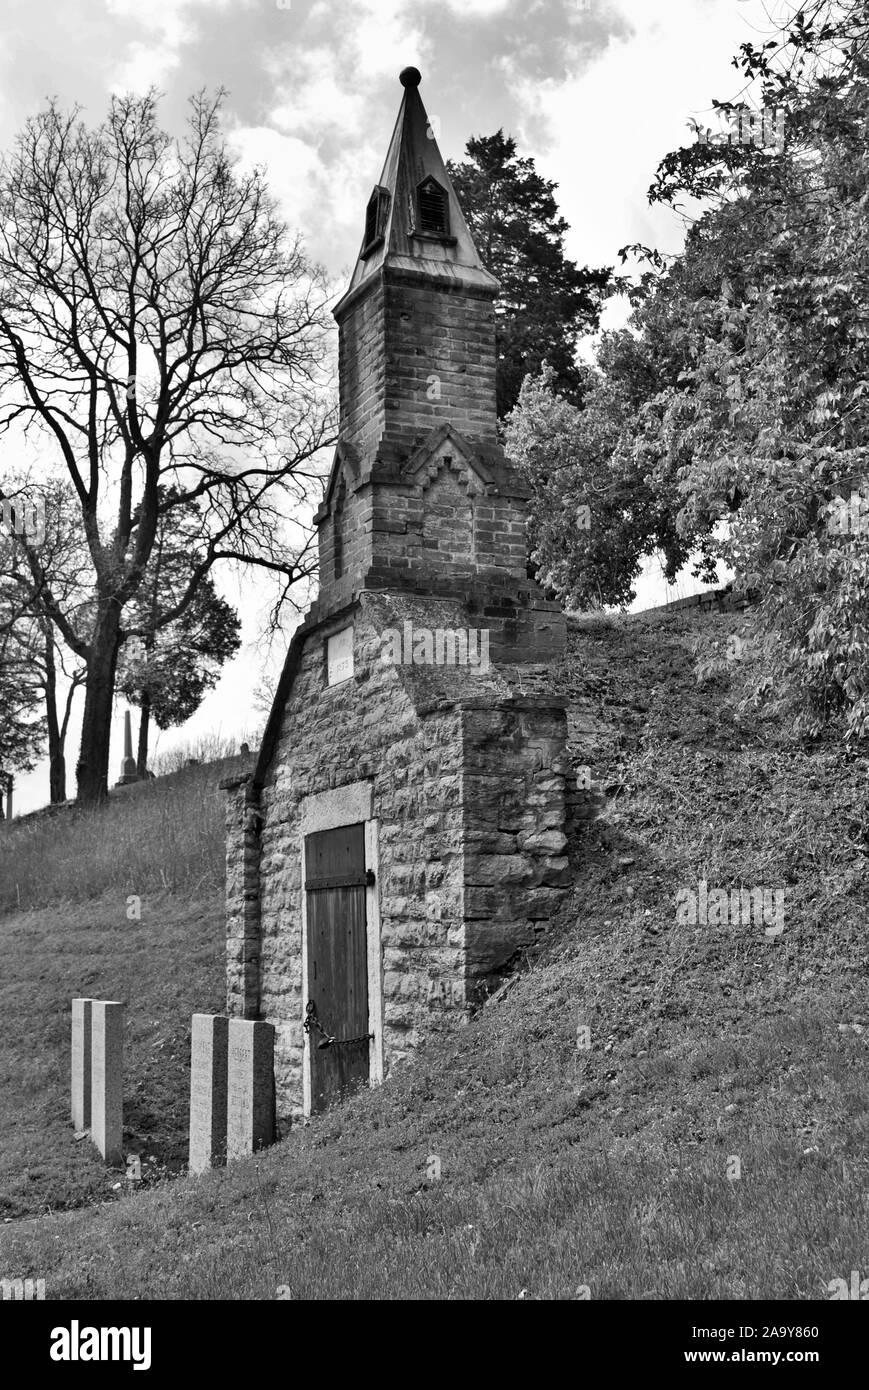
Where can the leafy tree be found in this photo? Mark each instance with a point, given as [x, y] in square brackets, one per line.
[766, 423]
[158, 326]
[167, 668]
[605, 478]
[600, 499]
[546, 302]
[169, 671]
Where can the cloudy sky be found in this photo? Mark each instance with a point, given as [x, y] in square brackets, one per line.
[597, 91]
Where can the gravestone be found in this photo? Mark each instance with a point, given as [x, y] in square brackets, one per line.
[250, 1123]
[208, 1080]
[81, 1063]
[128, 766]
[107, 1073]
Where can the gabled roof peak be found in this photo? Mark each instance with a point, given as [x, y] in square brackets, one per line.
[413, 220]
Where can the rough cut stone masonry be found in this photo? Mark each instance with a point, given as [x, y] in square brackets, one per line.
[461, 776]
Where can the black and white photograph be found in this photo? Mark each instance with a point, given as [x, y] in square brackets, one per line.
[434, 674]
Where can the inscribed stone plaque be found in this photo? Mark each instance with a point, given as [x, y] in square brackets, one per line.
[250, 1123]
[339, 656]
[81, 1063]
[107, 1078]
[208, 1076]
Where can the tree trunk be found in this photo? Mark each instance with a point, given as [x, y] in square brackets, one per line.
[144, 727]
[92, 772]
[56, 760]
[57, 778]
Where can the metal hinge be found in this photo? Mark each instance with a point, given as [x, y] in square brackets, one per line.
[356, 880]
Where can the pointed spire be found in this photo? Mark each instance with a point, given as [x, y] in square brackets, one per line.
[413, 220]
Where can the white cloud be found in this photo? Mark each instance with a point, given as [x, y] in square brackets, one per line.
[146, 65]
[293, 166]
[387, 38]
[609, 127]
[172, 24]
[312, 98]
[478, 9]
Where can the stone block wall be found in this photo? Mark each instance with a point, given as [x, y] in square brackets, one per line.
[468, 792]
[362, 369]
[423, 530]
[242, 899]
[446, 333]
[526, 628]
[516, 776]
[413, 356]
[365, 728]
[429, 536]
[351, 521]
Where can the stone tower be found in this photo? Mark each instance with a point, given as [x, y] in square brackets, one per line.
[402, 832]
[421, 497]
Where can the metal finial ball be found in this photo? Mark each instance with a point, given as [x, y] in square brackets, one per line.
[410, 77]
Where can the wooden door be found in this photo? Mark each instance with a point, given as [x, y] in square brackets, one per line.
[335, 887]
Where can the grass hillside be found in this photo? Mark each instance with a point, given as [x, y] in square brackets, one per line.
[124, 903]
[565, 1171]
[153, 837]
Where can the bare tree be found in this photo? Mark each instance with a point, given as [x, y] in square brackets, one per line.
[62, 555]
[22, 730]
[165, 335]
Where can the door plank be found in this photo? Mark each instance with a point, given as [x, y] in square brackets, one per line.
[337, 960]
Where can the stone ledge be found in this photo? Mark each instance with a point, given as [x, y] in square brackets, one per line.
[513, 702]
[228, 784]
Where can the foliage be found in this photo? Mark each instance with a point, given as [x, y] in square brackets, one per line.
[22, 724]
[771, 416]
[730, 421]
[602, 494]
[546, 301]
[171, 666]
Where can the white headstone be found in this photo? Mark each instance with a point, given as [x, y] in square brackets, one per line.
[107, 1073]
[208, 1080]
[81, 1063]
[250, 1119]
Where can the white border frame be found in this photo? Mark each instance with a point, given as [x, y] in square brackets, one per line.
[347, 805]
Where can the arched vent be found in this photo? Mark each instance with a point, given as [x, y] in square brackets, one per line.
[433, 209]
[376, 214]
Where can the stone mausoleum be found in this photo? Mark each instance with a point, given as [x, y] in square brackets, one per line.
[402, 833]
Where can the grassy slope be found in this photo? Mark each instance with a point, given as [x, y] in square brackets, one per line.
[74, 875]
[560, 1167]
[163, 967]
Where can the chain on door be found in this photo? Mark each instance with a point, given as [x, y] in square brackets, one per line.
[336, 1010]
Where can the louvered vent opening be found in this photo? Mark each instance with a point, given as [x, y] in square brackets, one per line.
[433, 220]
[375, 219]
[371, 221]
